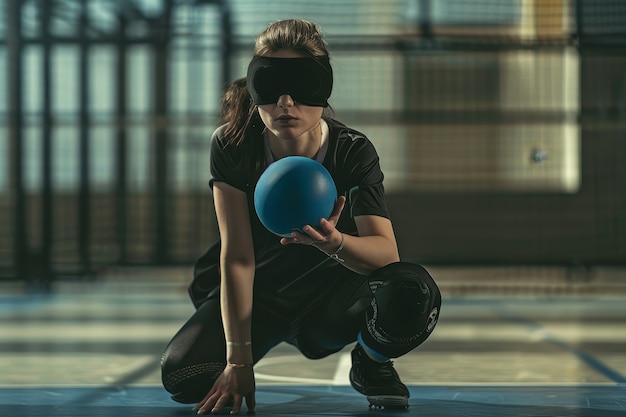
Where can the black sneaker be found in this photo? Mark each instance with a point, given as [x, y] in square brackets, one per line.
[379, 381]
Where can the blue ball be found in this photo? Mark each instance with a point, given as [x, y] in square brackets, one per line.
[293, 192]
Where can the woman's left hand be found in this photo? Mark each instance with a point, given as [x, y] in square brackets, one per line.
[325, 237]
[236, 384]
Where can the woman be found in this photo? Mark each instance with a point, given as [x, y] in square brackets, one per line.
[339, 283]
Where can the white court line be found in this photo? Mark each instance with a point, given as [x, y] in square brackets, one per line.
[340, 378]
[343, 368]
[284, 378]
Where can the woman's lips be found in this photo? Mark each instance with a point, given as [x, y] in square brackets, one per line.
[286, 120]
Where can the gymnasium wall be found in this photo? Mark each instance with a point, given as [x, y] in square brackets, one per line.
[500, 125]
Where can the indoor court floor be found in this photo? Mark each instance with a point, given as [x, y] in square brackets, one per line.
[510, 342]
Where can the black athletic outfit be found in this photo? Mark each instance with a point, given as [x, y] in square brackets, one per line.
[301, 296]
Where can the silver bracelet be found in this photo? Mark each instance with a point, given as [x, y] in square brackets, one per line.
[240, 365]
[335, 255]
[239, 344]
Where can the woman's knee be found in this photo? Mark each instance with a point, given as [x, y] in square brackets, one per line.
[186, 376]
[190, 384]
[195, 357]
[405, 285]
[404, 309]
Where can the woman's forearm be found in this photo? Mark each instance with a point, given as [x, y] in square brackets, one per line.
[364, 254]
[237, 265]
[236, 307]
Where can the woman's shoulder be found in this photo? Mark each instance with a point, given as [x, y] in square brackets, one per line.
[220, 146]
[351, 148]
[218, 134]
[341, 131]
[220, 141]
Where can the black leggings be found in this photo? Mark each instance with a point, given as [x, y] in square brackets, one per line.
[395, 309]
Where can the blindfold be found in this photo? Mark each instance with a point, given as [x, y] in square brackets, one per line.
[307, 80]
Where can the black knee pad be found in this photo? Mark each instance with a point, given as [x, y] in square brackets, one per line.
[404, 309]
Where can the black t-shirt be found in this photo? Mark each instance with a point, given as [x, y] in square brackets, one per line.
[353, 163]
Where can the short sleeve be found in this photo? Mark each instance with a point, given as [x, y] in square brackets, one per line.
[367, 196]
[358, 171]
[225, 163]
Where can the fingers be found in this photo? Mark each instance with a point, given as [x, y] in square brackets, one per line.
[228, 391]
[203, 405]
[296, 237]
[236, 404]
[314, 236]
[326, 227]
[208, 403]
[222, 402]
[339, 205]
[251, 403]
[216, 403]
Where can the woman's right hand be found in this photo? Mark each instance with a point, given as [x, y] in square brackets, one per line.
[236, 382]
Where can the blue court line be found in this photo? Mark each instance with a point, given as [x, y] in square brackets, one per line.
[26, 302]
[583, 356]
[330, 401]
[37, 301]
[589, 359]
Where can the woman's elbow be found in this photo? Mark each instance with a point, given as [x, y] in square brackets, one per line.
[237, 257]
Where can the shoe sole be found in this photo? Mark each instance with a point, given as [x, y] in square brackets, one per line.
[388, 401]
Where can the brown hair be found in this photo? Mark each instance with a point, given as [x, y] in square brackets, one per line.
[298, 35]
[235, 101]
[235, 106]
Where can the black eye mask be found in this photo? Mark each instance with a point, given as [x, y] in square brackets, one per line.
[307, 80]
